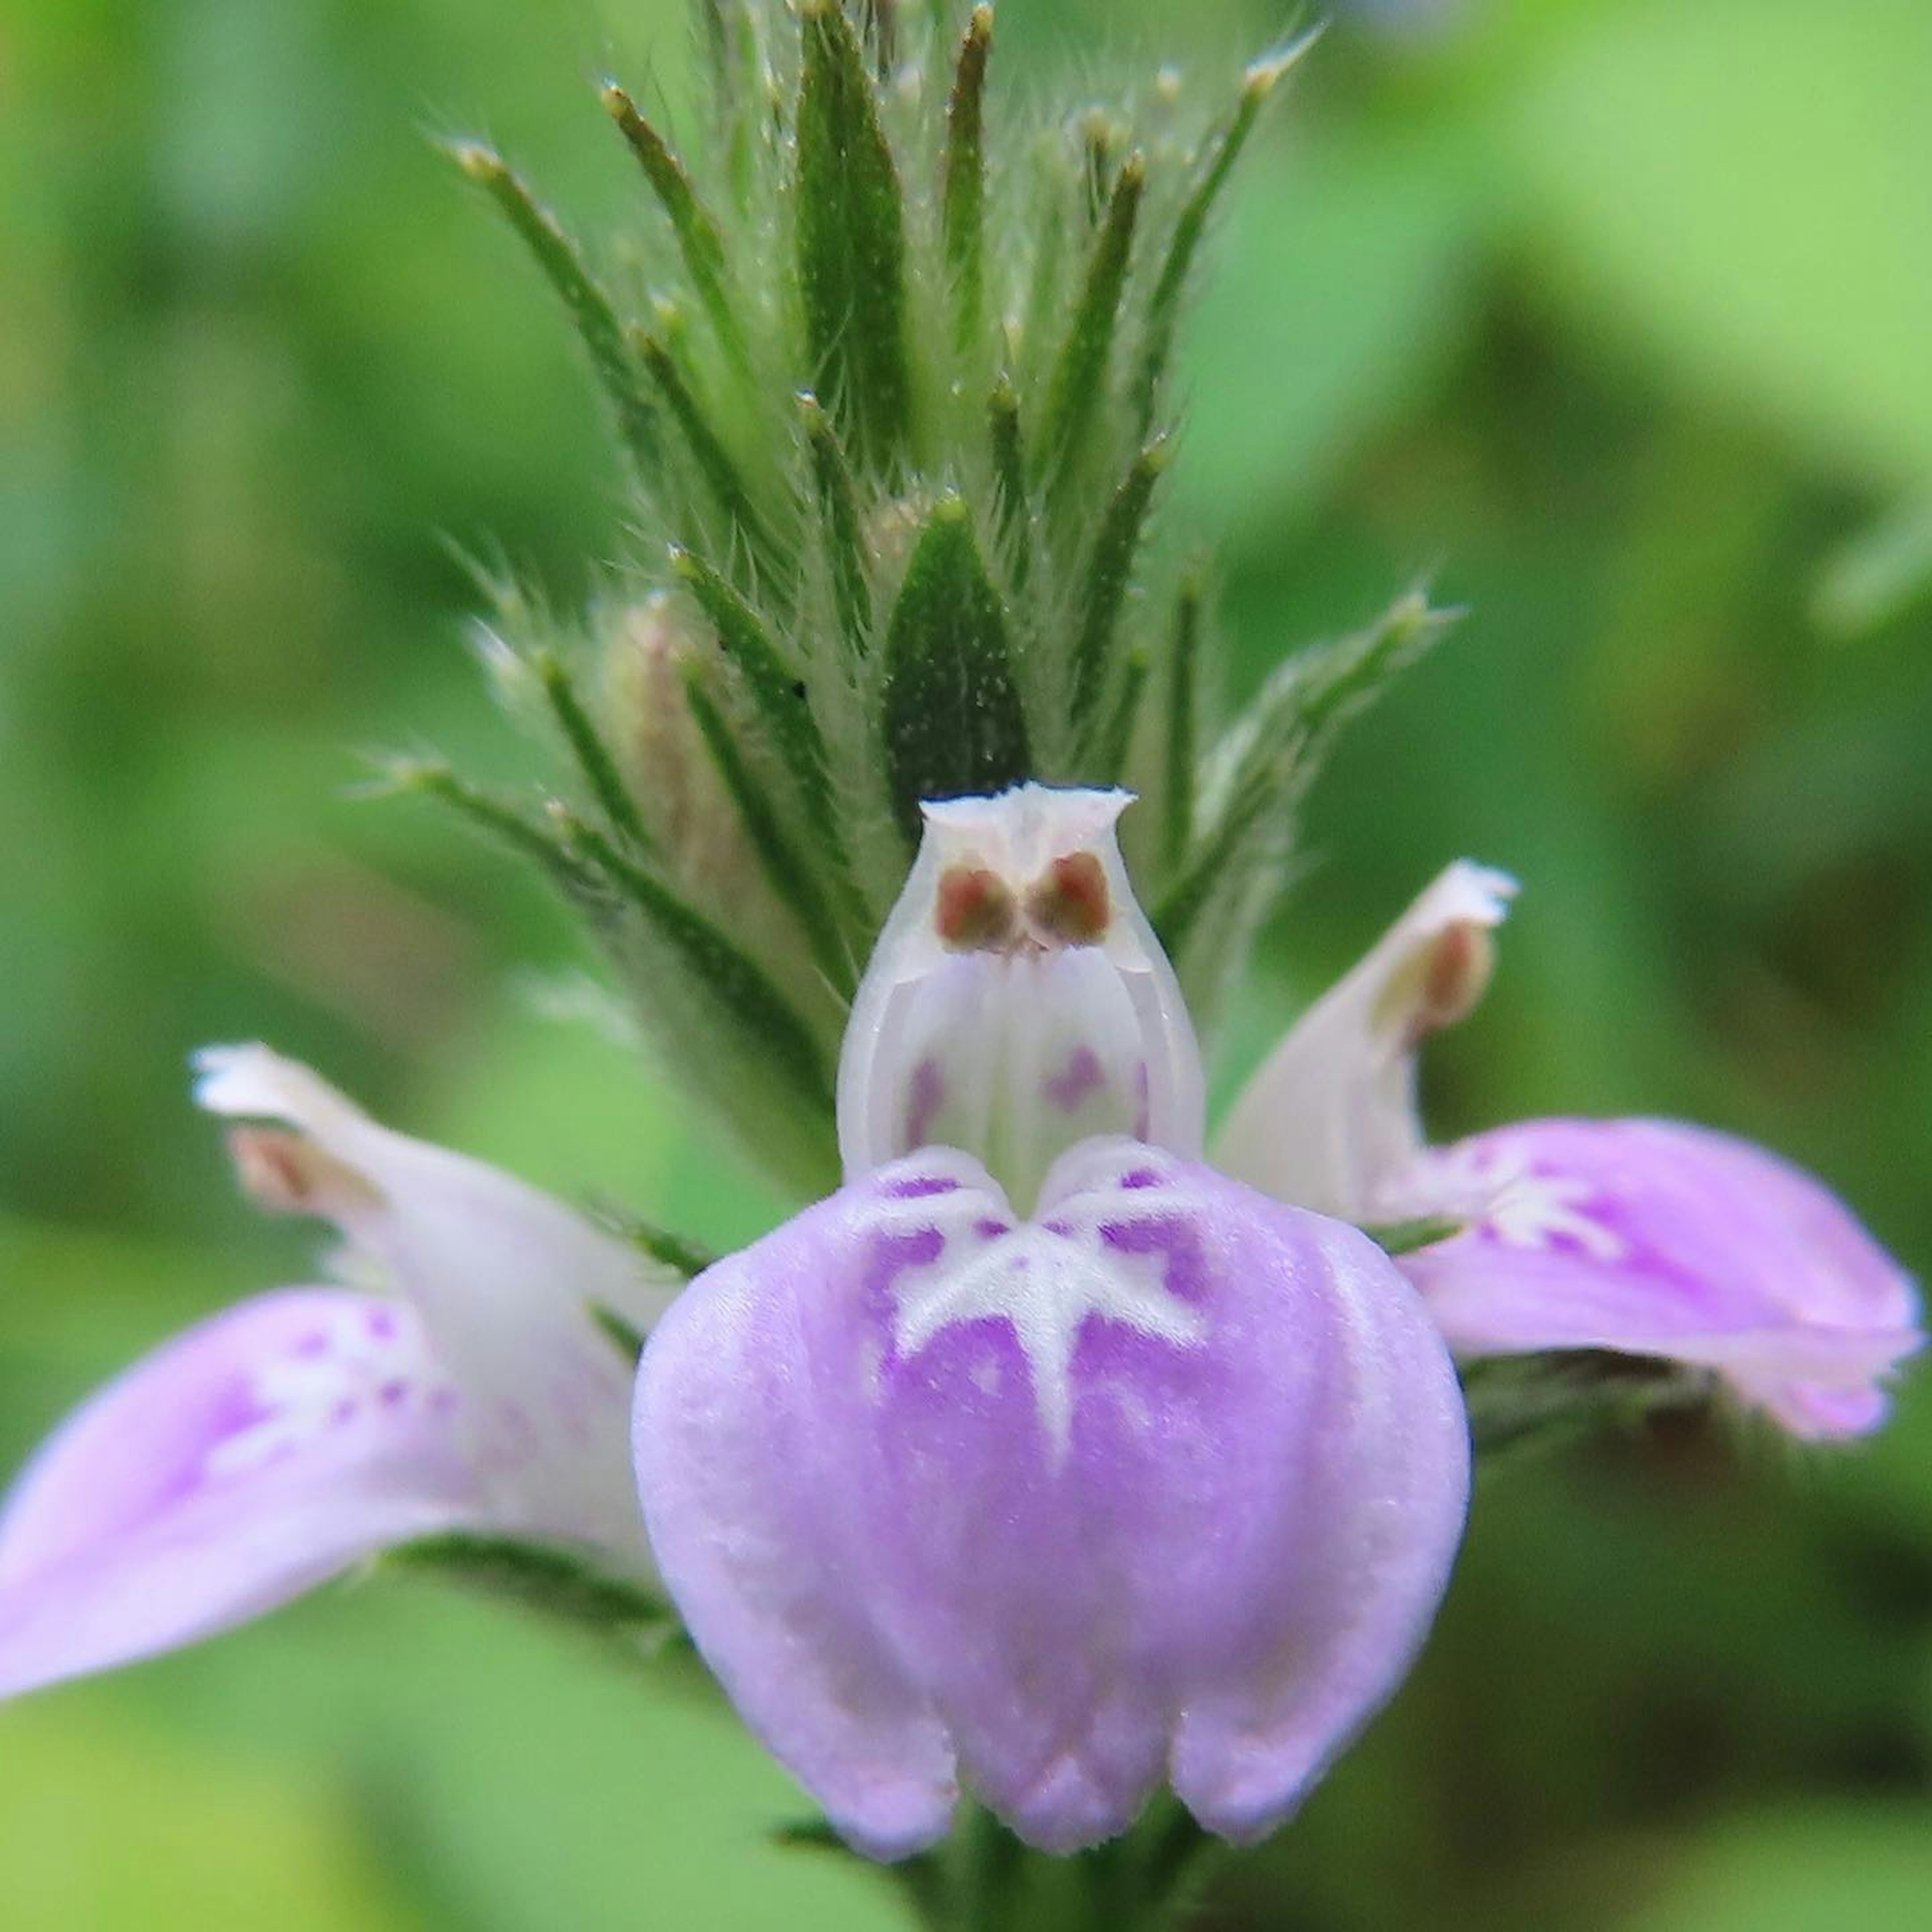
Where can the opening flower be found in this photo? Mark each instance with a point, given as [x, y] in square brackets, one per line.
[1648, 1238]
[464, 1385]
[1040, 1455]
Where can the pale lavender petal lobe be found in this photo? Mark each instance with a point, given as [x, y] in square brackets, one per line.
[507, 1280]
[248, 1459]
[1164, 1483]
[1655, 1238]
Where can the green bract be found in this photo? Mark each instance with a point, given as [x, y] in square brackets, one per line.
[899, 415]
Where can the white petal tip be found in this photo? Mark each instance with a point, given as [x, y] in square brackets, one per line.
[251, 1082]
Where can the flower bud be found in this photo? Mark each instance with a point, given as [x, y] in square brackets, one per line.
[650, 654]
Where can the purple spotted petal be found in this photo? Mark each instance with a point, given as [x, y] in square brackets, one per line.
[1657, 1239]
[1165, 1483]
[250, 1459]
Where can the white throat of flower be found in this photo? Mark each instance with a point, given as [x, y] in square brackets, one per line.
[1018, 1002]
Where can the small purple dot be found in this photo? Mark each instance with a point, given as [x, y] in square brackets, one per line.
[1141, 1177]
[916, 1187]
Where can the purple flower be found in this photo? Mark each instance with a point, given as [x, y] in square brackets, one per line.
[463, 1384]
[1041, 1456]
[1645, 1237]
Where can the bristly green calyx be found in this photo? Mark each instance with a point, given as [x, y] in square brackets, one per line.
[899, 405]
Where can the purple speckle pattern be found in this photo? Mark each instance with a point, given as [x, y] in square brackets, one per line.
[906, 1579]
[246, 1461]
[1654, 1238]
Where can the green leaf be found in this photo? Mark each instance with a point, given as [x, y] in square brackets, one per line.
[1164, 307]
[839, 523]
[556, 1582]
[730, 978]
[1179, 750]
[790, 871]
[1110, 569]
[1865, 1861]
[588, 307]
[1542, 1401]
[1404, 1237]
[850, 228]
[497, 819]
[721, 476]
[953, 721]
[1079, 377]
[660, 1244]
[1116, 736]
[698, 239]
[777, 692]
[1262, 767]
[594, 762]
[1003, 424]
[963, 204]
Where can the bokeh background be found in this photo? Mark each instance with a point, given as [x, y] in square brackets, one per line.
[1613, 317]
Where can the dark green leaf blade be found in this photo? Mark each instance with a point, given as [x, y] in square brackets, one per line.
[851, 226]
[730, 978]
[964, 195]
[789, 870]
[1110, 569]
[1178, 748]
[698, 238]
[1080, 376]
[589, 308]
[777, 692]
[839, 525]
[953, 721]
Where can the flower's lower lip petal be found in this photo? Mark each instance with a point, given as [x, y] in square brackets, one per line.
[1653, 1238]
[1200, 1527]
[735, 1486]
[251, 1458]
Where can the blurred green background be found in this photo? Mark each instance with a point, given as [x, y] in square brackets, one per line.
[1613, 317]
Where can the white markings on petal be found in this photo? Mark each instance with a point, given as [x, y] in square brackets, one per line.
[358, 1363]
[1501, 1188]
[1046, 1278]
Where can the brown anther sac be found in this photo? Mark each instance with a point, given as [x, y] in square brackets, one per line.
[287, 1174]
[1457, 972]
[976, 911]
[1069, 902]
